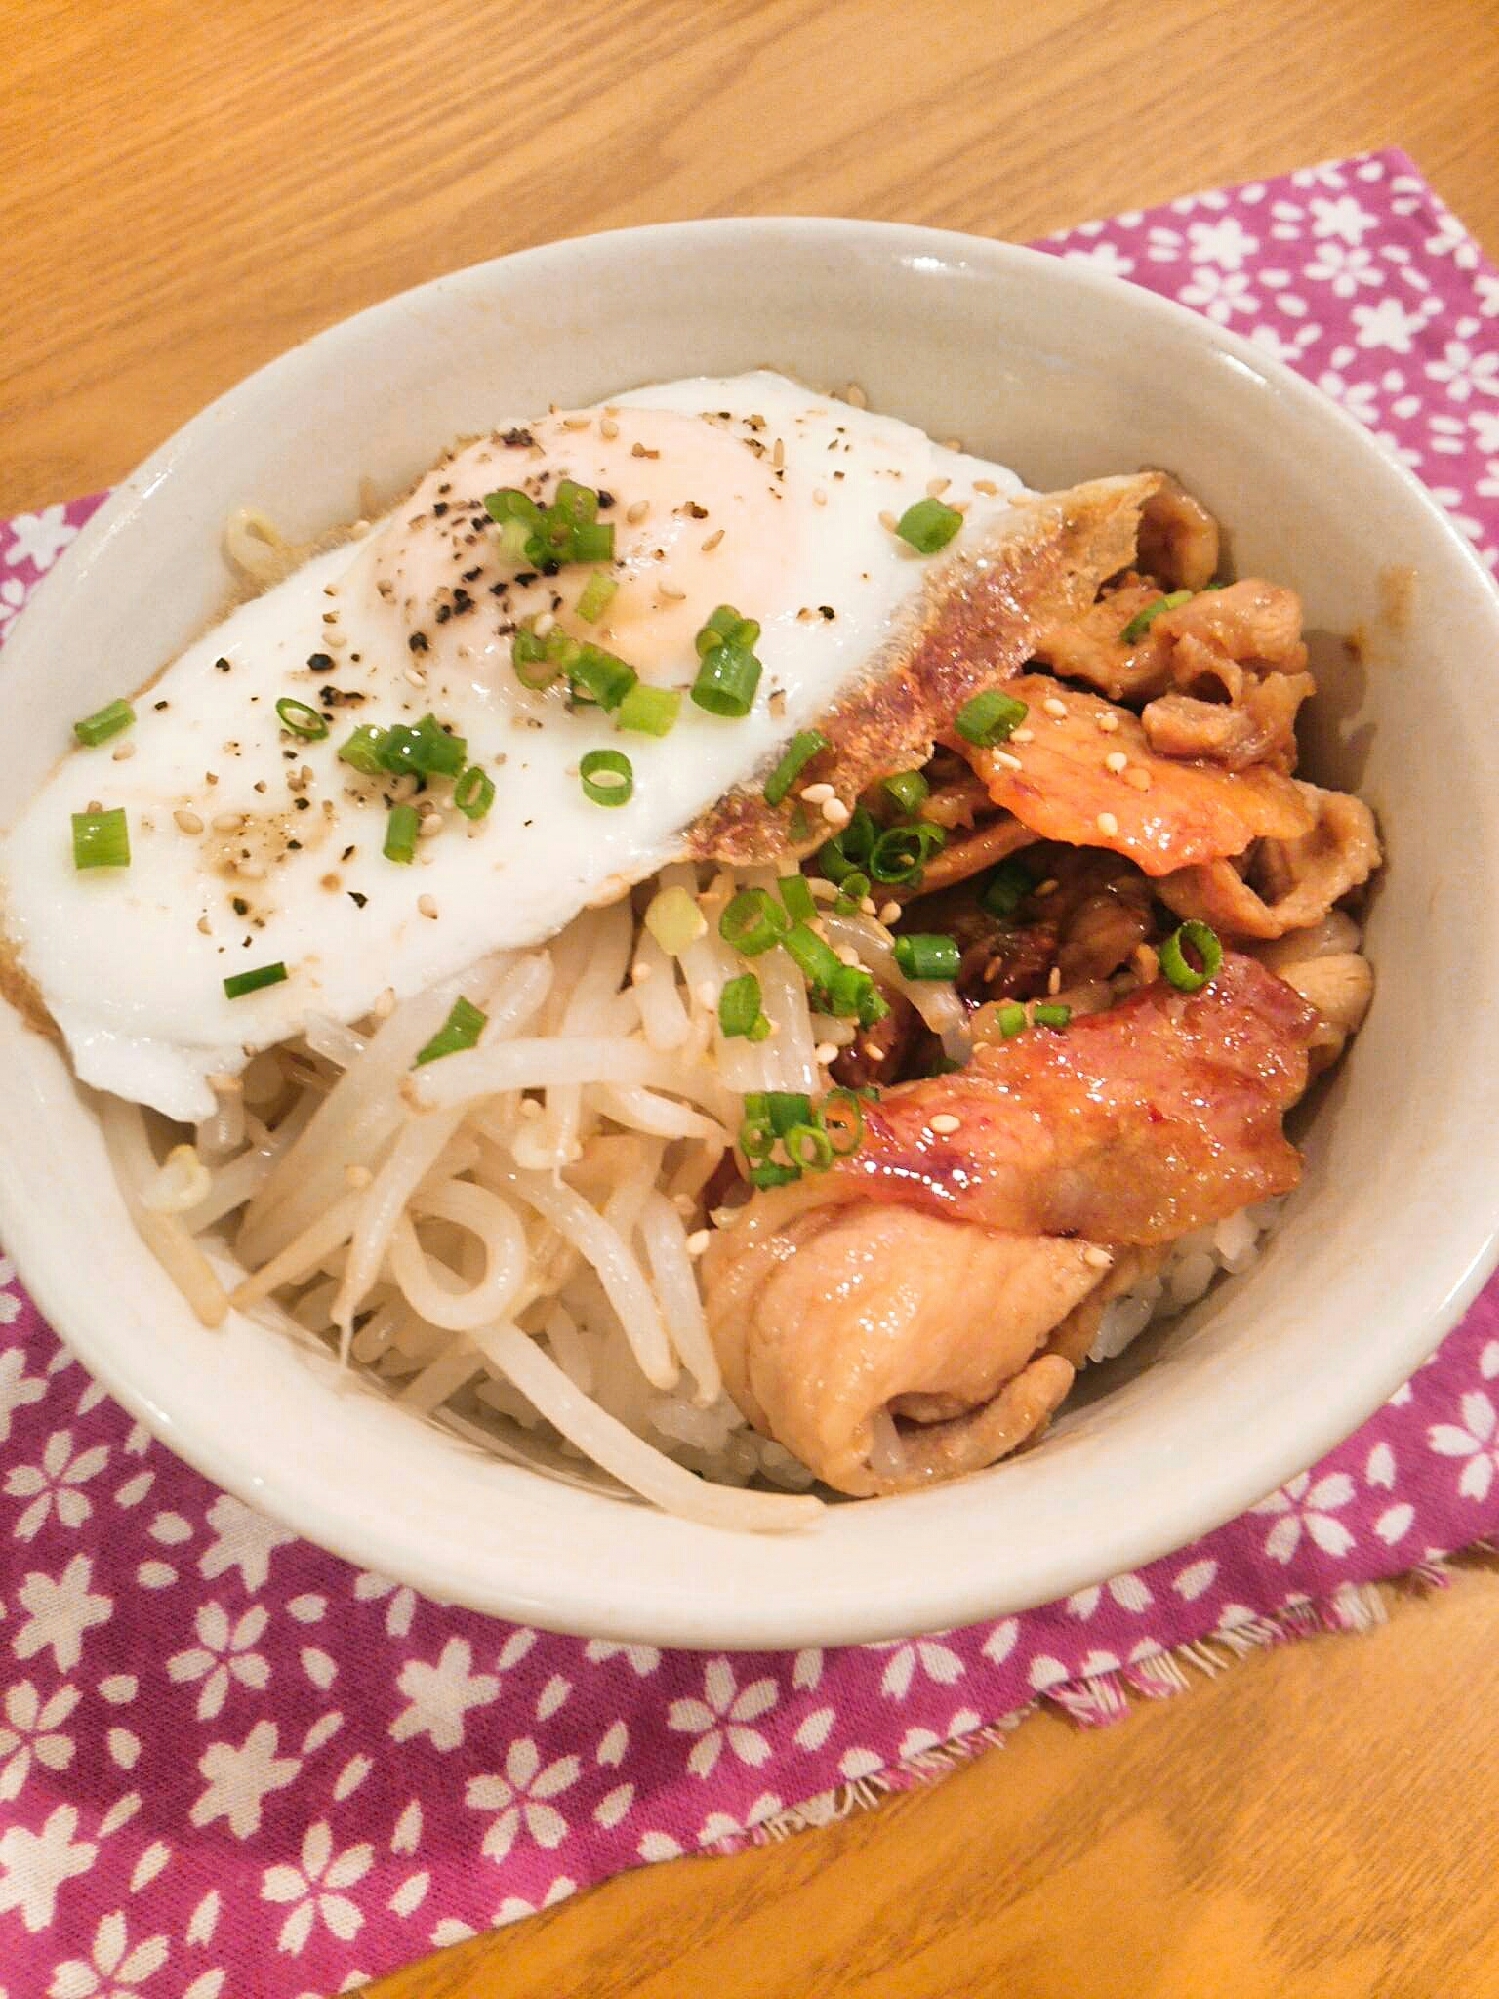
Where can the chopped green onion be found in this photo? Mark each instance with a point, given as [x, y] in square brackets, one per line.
[511, 504]
[873, 1007]
[675, 921]
[922, 955]
[804, 745]
[909, 790]
[801, 904]
[401, 828]
[849, 992]
[565, 532]
[901, 854]
[1008, 886]
[1011, 1019]
[928, 525]
[601, 676]
[362, 750]
[752, 922]
[1178, 967]
[1048, 1015]
[101, 839]
[253, 982]
[850, 850]
[852, 892]
[109, 721]
[607, 776]
[598, 594]
[649, 711]
[786, 1109]
[442, 755]
[771, 1173]
[739, 1010]
[473, 794]
[757, 1135]
[989, 717]
[534, 666]
[816, 960]
[301, 720]
[462, 1028]
[729, 672]
[1142, 621]
[594, 543]
[843, 1121]
[809, 1147]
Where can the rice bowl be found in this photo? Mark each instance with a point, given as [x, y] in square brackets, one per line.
[1224, 1357]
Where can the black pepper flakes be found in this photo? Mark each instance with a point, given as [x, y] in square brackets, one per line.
[518, 439]
[439, 508]
[240, 906]
[357, 899]
[417, 642]
[320, 662]
[221, 665]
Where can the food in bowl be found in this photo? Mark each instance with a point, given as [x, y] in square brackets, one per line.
[719, 930]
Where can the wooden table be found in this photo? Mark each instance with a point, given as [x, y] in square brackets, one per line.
[185, 190]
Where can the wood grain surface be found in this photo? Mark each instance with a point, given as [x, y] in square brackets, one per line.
[186, 190]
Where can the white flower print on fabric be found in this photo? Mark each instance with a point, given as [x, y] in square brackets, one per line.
[1307, 1508]
[1219, 294]
[246, 1540]
[12, 597]
[17, 1387]
[1226, 243]
[1473, 1439]
[521, 1798]
[10, 1304]
[114, 1969]
[1464, 373]
[440, 1696]
[223, 1654]
[643, 1659]
[1344, 270]
[240, 1780]
[61, 1610]
[33, 1866]
[1387, 324]
[400, 1607]
[1346, 219]
[40, 538]
[32, 1730]
[937, 1662]
[1360, 399]
[317, 1888]
[54, 1484]
[722, 1716]
[1102, 257]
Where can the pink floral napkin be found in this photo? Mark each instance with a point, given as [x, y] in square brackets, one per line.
[232, 1764]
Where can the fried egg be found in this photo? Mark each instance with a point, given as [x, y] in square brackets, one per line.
[252, 845]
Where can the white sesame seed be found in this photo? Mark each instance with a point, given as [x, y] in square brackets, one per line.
[888, 521]
[431, 825]
[872, 1051]
[205, 926]
[636, 512]
[847, 955]
[823, 890]
[640, 972]
[1098, 1258]
[945, 1124]
[228, 822]
[826, 1052]
[1108, 825]
[188, 822]
[1048, 887]
[672, 596]
[698, 1241]
[819, 496]
[1022, 735]
[778, 455]
[385, 1005]
[1055, 708]
[1006, 761]
[817, 794]
[890, 913]
[867, 906]
[608, 427]
[358, 1177]
[426, 905]
[1138, 777]
[544, 624]
[123, 753]
[1108, 722]
[1054, 981]
[576, 422]
[985, 486]
[416, 677]
[713, 540]
[855, 395]
[836, 812]
[935, 488]
[1116, 760]
[250, 871]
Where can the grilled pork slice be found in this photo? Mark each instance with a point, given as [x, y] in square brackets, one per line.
[975, 623]
[1165, 814]
[889, 1321]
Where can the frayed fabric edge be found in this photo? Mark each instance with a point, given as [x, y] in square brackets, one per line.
[1103, 1698]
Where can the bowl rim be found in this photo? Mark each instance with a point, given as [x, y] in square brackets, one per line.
[303, 1496]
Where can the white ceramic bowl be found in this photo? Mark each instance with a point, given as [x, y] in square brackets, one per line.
[1062, 374]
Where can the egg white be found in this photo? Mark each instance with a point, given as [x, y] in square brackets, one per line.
[751, 491]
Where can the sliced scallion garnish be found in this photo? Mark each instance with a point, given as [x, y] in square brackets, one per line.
[109, 721]
[809, 1147]
[649, 711]
[1006, 888]
[461, 1030]
[1048, 1014]
[1178, 968]
[928, 525]
[675, 920]
[801, 905]
[799, 752]
[362, 750]
[1142, 621]
[899, 855]
[909, 790]
[101, 839]
[740, 1014]
[752, 922]
[607, 777]
[728, 671]
[473, 794]
[301, 720]
[924, 955]
[240, 983]
[1011, 1018]
[598, 594]
[816, 960]
[989, 718]
[401, 828]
